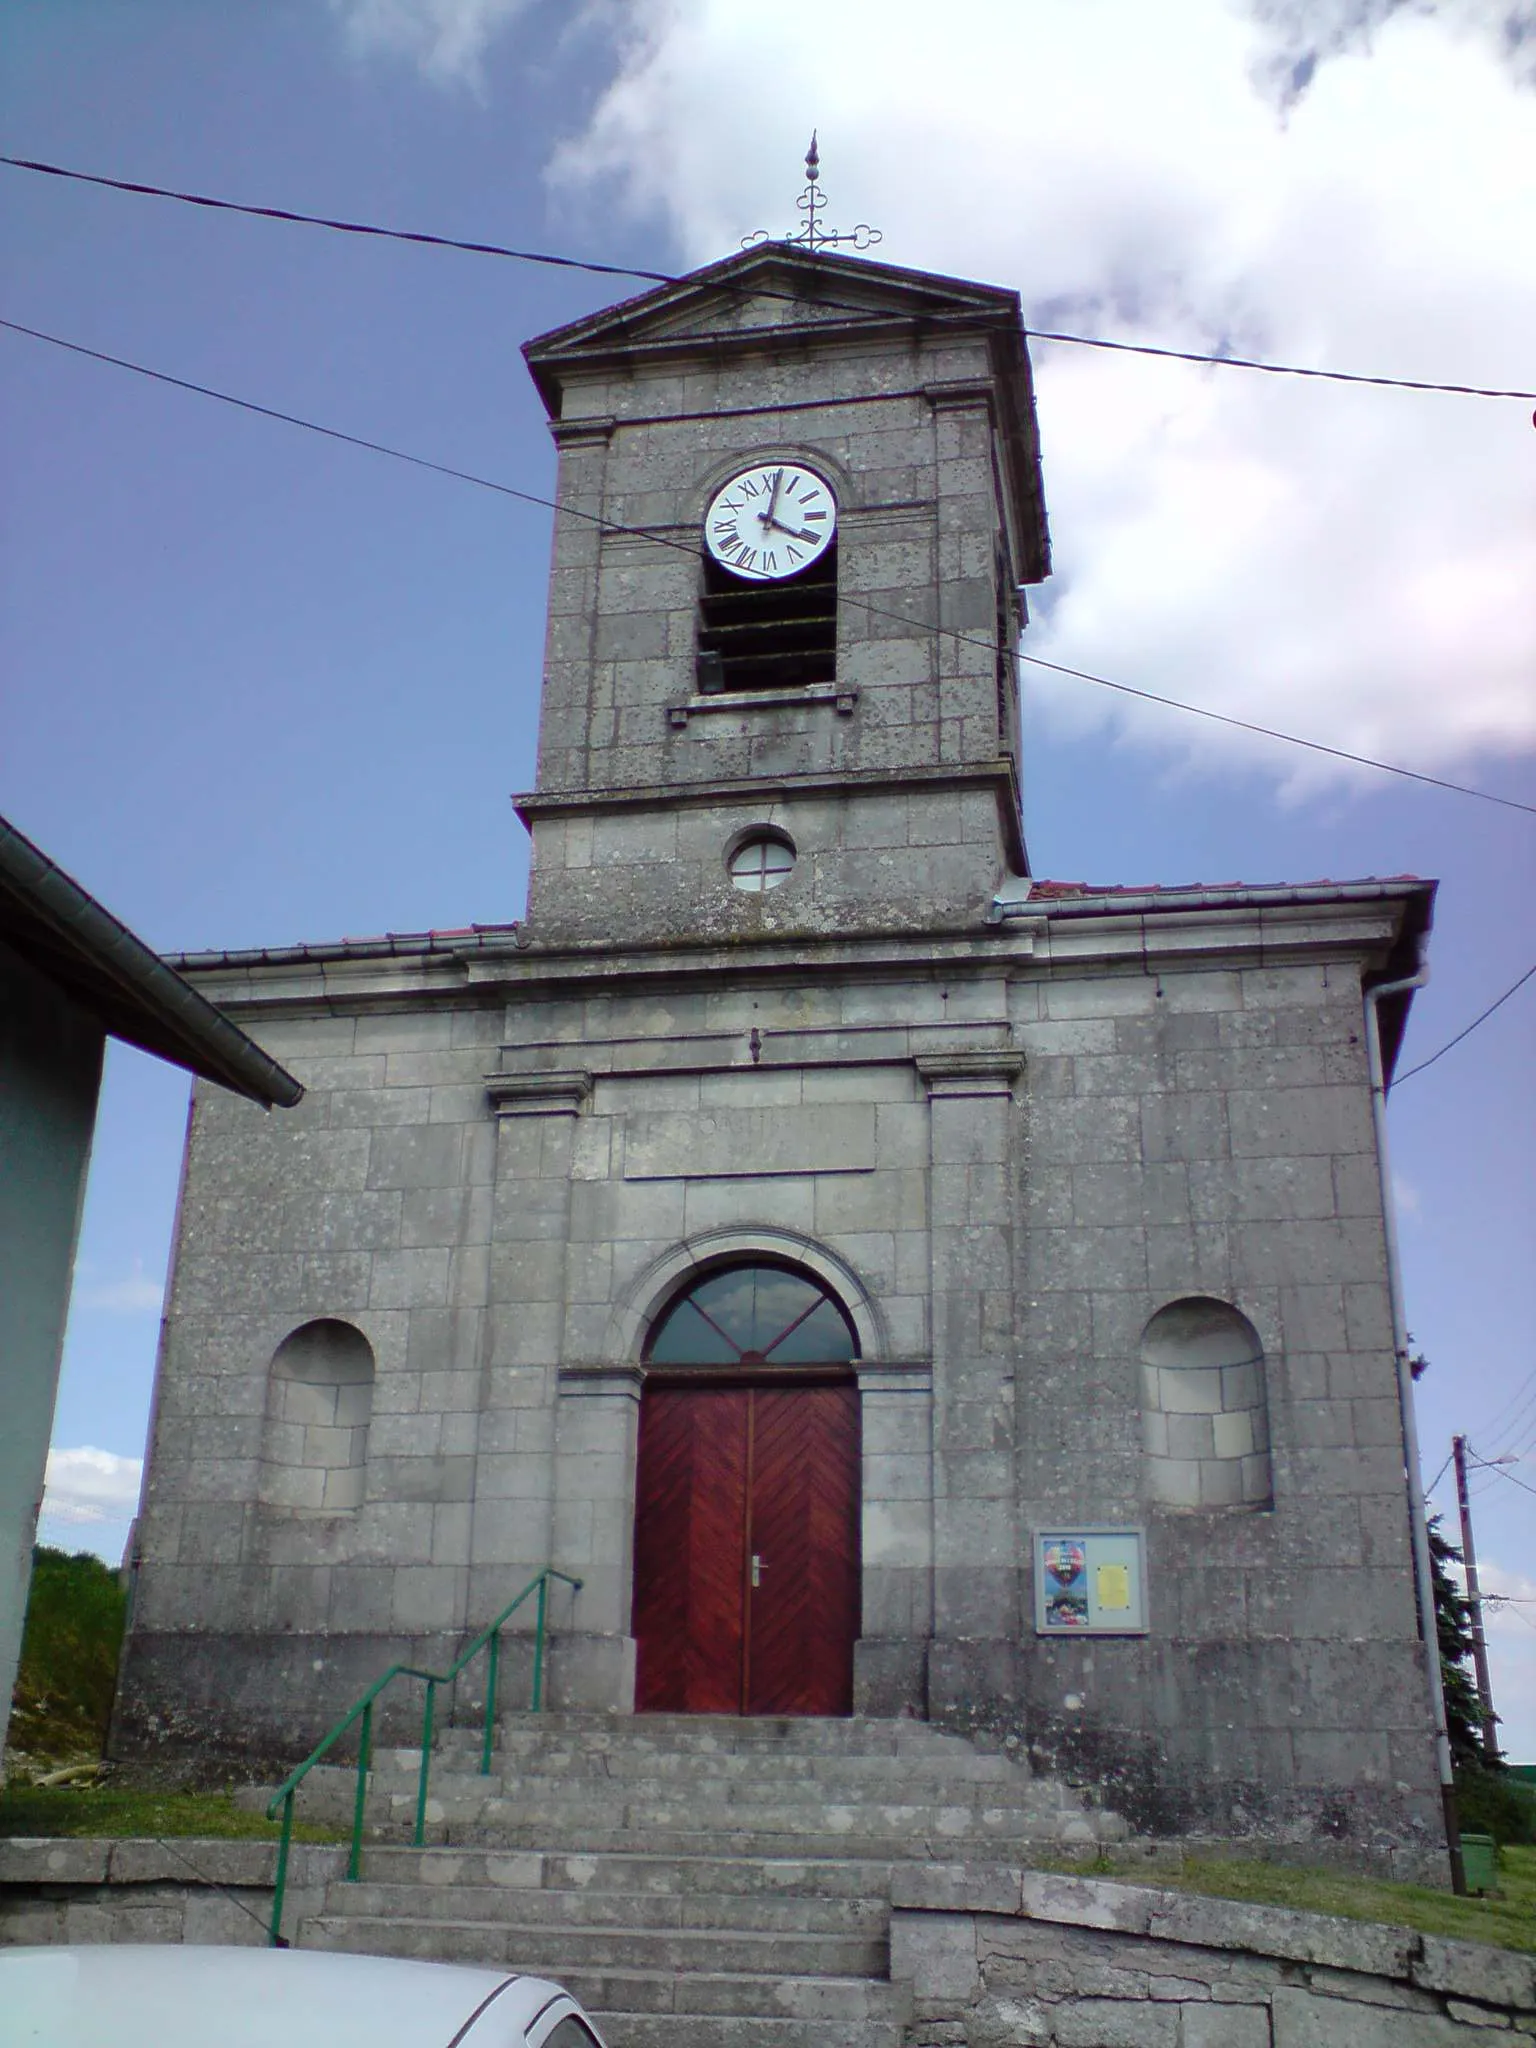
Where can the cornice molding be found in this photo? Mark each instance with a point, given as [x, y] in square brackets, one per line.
[970, 1073]
[562, 1093]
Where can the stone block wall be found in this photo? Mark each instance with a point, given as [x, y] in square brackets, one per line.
[1010, 1959]
[1207, 1134]
[212, 1893]
[865, 853]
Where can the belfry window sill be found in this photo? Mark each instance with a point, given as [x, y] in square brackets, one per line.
[841, 700]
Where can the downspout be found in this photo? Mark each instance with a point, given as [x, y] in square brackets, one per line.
[1418, 1526]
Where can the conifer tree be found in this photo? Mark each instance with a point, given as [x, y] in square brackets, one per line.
[1463, 1716]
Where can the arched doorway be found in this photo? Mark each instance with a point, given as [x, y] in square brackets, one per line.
[747, 1499]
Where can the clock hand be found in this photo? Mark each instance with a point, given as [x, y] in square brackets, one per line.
[793, 531]
[773, 502]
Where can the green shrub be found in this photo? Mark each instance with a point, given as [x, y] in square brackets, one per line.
[1494, 1803]
[69, 1651]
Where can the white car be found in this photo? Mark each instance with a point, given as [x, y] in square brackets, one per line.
[129, 1996]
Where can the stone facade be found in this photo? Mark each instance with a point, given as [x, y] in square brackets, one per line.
[1022, 1133]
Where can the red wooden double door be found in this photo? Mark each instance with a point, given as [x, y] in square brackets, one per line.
[747, 1548]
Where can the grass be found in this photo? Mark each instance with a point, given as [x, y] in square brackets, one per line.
[1505, 1922]
[1508, 1921]
[127, 1811]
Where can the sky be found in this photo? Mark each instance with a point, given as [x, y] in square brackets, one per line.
[262, 687]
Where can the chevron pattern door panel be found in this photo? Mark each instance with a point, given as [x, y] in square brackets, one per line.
[804, 1609]
[746, 1550]
[691, 1549]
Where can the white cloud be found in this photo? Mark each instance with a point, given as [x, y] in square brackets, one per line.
[1355, 566]
[446, 39]
[135, 1295]
[1509, 1627]
[87, 1486]
[1302, 34]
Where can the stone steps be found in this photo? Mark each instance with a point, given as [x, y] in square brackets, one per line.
[747, 1877]
[722, 1734]
[656, 1912]
[766, 1831]
[668, 1806]
[782, 2006]
[698, 1881]
[880, 1808]
[683, 2030]
[563, 1951]
[833, 1776]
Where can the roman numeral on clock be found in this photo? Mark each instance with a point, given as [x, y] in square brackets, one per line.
[770, 521]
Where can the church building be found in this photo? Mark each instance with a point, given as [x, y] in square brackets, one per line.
[893, 1284]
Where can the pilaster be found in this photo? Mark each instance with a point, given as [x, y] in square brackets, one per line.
[976, 1545]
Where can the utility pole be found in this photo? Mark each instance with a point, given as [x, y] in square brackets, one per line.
[1475, 1606]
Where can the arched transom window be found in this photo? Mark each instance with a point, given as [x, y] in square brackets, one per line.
[753, 1316]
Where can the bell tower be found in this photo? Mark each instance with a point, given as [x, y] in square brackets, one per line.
[798, 496]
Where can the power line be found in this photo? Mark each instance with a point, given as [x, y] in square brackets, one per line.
[473, 248]
[1270, 732]
[1500, 1473]
[1516, 1399]
[1184, 355]
[1483, 1019]
[1508, 1420]
[684, 547]
[1518, 1437]
[341, 227]
[293, 419]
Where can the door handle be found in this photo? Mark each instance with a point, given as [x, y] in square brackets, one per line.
[757, 1570]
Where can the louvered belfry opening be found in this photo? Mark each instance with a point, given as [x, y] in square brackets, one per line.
[768, 636]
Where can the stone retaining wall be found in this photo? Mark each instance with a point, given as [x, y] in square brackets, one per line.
[95, 1890]
[1016, 1959]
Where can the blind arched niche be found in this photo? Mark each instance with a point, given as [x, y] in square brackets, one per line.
[319, 1406]
[1205, 1412]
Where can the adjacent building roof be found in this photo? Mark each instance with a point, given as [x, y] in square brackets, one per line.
[66, 934]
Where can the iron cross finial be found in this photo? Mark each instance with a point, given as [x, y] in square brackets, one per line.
[811, 234]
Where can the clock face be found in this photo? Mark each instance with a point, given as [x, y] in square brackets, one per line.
[770, 521]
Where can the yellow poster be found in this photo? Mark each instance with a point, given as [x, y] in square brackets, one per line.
[1114, 1588]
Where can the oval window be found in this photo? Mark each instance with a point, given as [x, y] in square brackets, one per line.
[761, 861]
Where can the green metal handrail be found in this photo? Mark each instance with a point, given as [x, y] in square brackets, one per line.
[489, 1639]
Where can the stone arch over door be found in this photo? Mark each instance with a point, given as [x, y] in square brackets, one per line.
[636, 1309]
[746, 1555]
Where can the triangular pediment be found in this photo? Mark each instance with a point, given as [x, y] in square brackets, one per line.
[775, 296]
[771, 286]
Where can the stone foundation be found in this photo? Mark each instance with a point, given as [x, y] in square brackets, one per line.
[216, 1893]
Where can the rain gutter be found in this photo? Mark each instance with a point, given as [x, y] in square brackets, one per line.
[159, 1010]
[1136, 903]
[1418, 1526]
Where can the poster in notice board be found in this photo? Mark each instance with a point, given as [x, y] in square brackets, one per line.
[1090, 1582]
